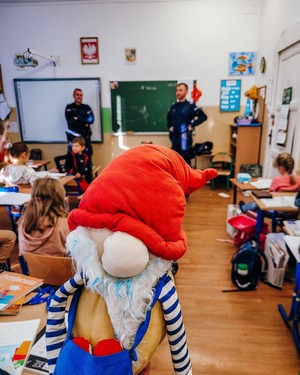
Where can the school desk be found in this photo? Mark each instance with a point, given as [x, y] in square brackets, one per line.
[293, 243]
[64, 180]
[28, 312]
[38, 164]
[241, 186]
[13, 199]
[274, 205]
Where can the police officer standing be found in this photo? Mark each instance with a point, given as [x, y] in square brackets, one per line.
[182, 118]
[80, 117]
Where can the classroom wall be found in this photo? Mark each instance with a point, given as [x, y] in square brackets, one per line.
[276, 17]
[174, 40]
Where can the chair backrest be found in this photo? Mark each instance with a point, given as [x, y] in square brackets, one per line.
[60, 162]
[222, 157]
[35, 154]
[54, 270]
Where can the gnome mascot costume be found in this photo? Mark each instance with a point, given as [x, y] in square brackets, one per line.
[124, 236]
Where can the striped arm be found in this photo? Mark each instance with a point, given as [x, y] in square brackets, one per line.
[175, 328]
[56, 332]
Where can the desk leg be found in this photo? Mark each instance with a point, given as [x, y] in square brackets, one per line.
[259, 222]
[294, 310]
[234, 194]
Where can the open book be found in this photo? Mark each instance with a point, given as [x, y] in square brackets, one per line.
[37, 360]
[287, 201]
[16, 339]
[262, 183]
[292, 227]
[15, 285]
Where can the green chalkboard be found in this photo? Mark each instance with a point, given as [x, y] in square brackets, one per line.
[141, 106]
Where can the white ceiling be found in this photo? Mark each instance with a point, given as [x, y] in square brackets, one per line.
[8, 2]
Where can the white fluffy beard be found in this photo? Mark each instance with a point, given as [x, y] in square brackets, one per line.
[128, 299]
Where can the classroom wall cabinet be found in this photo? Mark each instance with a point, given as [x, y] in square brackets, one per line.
[244, 145]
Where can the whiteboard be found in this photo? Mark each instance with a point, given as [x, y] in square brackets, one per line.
[41, 107]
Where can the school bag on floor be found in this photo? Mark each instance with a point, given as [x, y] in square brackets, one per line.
[249, 264]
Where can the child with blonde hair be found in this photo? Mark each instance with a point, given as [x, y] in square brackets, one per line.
[16, 171]
[286, 181]
[43, 227]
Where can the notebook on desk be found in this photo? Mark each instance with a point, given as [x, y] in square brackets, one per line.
[262, 194]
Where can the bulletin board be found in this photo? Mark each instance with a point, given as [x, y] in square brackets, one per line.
[41, 107]
[230, 95]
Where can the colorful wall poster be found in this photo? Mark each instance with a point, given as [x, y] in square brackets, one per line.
[242, 63]
[230, 95]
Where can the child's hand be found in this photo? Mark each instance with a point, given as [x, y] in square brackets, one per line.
[78, 175]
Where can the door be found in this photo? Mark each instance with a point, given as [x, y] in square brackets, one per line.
[288, 76]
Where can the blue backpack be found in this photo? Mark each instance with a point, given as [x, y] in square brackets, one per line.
[249, 264]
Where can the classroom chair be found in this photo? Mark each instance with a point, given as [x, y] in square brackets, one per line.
[54, 270]
[35, 154]
[224, 164]
[14, 212]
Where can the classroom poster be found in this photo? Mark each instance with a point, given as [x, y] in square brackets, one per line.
[230, 95]
[242, 63]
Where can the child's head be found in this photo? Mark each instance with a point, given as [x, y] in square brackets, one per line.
[284, 162]
[78, 145]
[19, 153]
[46, 205]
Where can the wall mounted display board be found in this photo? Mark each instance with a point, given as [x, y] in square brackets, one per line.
[41, 107]
[230, 95]
[141, 106]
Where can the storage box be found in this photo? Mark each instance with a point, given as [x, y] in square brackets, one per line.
[246, 227]
[275, 275]
[243, 177]
[232, 211]
[243, 121]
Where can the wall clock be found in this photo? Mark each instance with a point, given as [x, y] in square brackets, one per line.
[262, 65]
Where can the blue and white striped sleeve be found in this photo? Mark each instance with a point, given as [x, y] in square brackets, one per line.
[56, 332]
[175, 328]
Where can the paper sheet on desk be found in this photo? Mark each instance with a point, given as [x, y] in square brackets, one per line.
[286, 201]
[293, 243]
[262, 183]
[16, 199]
[54, 175]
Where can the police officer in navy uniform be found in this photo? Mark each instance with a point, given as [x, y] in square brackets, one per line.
[182, 118]
[80, 117]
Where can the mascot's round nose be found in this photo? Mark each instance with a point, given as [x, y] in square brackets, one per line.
[124, 255]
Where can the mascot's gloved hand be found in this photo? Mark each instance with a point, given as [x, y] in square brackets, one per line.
[200, 178]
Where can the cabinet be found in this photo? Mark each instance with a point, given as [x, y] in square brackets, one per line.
[244, 145]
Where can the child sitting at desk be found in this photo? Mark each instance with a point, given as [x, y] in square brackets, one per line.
[78, 163]
[4, 145]
[286, 181]
[43, 228]
[7, 241]
[16, 172]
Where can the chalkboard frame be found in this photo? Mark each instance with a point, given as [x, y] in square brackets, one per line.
[125, 87]
[90, 87]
